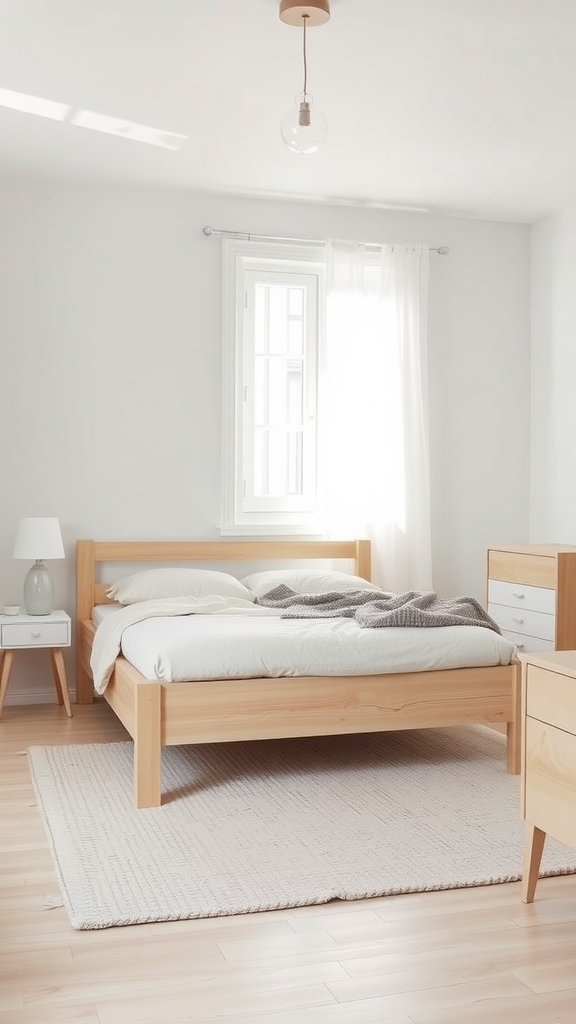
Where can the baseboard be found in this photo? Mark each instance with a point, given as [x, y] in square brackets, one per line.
[45, 696]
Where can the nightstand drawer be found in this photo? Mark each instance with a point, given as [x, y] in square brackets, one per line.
[550, 780]
[524, 621]
[551, 697]
[26, 634]
[519, 595]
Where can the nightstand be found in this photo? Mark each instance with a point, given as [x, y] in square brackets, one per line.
[26, 632]
[548, 756]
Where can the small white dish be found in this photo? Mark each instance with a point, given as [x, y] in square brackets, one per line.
[11, 609]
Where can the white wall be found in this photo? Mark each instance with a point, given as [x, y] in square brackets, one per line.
[110, 371]
[553, 449]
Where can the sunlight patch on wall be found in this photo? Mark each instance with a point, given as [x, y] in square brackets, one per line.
[91, 119]
[34, 105]
[127, 129]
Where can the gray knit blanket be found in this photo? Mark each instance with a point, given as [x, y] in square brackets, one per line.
[373, 609]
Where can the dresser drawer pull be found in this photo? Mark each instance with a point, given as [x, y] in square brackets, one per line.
[519, 596]
[519, 622]
[36, 635]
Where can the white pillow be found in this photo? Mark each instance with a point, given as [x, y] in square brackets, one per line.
[153, 584]
[305, 581]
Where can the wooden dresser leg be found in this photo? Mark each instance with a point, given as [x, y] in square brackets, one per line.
[535, 839]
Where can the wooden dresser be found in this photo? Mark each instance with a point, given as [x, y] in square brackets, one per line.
[532, 595]
[548, 756]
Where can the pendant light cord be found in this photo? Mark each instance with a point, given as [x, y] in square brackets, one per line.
[304, 60]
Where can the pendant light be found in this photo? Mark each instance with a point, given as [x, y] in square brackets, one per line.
[304, 129]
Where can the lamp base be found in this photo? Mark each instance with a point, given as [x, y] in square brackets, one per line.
[38, 590]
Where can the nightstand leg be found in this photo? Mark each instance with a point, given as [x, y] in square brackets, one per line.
[59, 673]
[535, 839]
[56, 678]
[6, 665]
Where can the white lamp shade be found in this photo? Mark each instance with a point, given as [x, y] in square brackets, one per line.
[38, 538]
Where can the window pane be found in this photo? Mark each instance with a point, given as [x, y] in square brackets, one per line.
[278, 424]
[294, 482]
[295, 395]
[277, 463]
[278, 318]
[295, 337]
[277, 391]
[296, 321]
[281, 450]
[275, 396]
[296, 302]
[260, 390]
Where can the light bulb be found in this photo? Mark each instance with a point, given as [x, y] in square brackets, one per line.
[303, 129]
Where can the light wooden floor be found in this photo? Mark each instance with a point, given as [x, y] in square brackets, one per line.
[475, 955]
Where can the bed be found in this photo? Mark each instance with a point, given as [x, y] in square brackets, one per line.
[157, 714]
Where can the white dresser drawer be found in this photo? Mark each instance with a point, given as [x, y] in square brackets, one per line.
[525, 621]
[519, 595]
[526, 644]
[26, 634]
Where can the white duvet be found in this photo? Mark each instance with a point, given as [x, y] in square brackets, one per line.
[217, 638]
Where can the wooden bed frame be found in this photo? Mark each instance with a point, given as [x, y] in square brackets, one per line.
[159, 714]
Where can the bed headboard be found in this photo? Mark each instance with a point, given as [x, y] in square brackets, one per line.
[90, 590]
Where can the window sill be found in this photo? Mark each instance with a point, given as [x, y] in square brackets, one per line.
[270, 530]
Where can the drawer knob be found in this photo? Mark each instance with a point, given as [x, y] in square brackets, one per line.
[36, 635]
[519, 596]
[518, 621]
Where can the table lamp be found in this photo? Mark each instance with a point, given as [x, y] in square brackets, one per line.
[38, 538]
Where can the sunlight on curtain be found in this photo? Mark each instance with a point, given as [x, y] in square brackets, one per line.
[374, 444]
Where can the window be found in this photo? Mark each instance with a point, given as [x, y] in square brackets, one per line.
[272, 326]
[325, 398]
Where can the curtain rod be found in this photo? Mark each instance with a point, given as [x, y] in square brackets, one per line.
[443, 250]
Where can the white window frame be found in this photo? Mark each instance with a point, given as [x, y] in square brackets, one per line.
[268, 517]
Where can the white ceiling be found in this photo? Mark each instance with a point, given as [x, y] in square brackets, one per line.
[456, 106]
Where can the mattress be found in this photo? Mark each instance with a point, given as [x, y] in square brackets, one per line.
[103, 611]
[188, 647]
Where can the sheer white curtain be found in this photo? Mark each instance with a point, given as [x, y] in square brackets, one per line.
[374, 444]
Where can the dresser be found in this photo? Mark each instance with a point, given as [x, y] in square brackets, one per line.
[532, 595]
[548, 780]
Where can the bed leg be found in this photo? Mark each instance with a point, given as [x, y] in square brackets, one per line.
[513, 728]
[147, 746]
[84, 686]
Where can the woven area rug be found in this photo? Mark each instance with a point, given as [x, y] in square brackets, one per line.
[256, 826]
